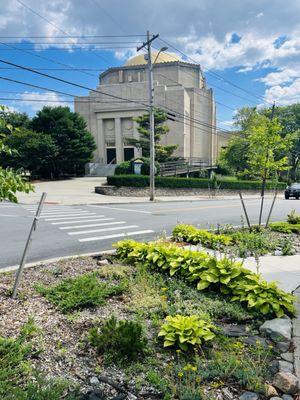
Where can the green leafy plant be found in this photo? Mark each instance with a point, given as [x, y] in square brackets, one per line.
[121, 339]
[293, 218]
[205, 271]
[190, 234]
[83, 291]
[185, 331]
[287, 248]
[285, 227]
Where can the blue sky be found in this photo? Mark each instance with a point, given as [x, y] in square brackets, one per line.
[249, 50]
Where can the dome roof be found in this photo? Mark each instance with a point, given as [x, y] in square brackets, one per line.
[162, 58]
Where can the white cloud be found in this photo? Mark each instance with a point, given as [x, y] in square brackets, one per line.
[34, 101]
[284, 95]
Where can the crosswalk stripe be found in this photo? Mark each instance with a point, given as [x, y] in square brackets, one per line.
[87, 226]
[79, 220]
[62, 214]
[76, 216]
[103, 230]
[91, 239]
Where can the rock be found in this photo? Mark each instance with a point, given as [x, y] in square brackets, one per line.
[286, 382]
[253, 340]
[93, 395]
[249, 396]
[103, 262]
[227, 395]
[275, 398]
[287, 397]
[94, 381]
[285, 366]
[277, 253]
[283, 347]
[233, 330]
[274, 367]
[287, 357]
[271, 391]
[278, 329]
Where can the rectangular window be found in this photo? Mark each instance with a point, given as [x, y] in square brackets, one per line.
[128, 153]
[111, 155]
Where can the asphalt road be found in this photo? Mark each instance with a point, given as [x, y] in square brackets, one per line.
[71, 230]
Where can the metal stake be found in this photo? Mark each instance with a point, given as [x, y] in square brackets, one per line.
[28, 242]
[245, 211]
[271, 209]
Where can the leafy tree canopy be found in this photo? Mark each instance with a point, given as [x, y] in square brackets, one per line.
[12, 119]
[11, 181]
[74, 145]
[162, 153]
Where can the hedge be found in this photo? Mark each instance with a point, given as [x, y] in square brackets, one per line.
[175, 182]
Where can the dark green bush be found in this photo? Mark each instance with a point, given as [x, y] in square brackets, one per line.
[121, 339]
[83, 291]
[285, 227]
[175, 182]
[127, 167]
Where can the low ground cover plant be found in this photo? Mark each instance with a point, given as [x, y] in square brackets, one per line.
[205, 271]
[83, 291]
[185, 332]
[243, 242]
[285, 227]
[121, 339]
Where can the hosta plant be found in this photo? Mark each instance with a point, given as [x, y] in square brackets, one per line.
[185, 332]
[193, 235]
[224, 275]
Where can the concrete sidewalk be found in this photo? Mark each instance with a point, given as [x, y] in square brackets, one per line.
[82, 191]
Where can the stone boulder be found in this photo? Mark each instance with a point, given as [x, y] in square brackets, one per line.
[286, 382]
[285, 366]
[249, 396]
[278, 329]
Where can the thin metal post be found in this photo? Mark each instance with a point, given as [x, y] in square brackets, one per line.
[27, 245]
[151, 118]
[271, 209]
[244, 208]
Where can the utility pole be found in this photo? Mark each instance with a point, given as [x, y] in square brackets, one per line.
[147, 45]
[263, 186]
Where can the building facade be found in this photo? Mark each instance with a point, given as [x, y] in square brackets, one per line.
[179, 87]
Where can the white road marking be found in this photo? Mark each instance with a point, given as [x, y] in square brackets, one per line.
[8, 215]
[79, 220]
[126, 209]
[86, 226]
[91, 239]
[76, 216]
[67, 214]
[103, 230]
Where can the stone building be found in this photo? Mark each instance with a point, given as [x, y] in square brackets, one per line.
[179, 87]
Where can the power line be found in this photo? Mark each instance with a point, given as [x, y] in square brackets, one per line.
[212, 73]
[46, 58]
[71, 36]
[56, 69]
[77, 48]
[88, 88]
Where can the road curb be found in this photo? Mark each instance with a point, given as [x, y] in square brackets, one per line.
[13, 268]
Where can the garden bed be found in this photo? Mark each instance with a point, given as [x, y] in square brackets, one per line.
[54, 341]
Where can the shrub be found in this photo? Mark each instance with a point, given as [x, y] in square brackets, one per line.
[185, 331]
[285, 227]
[83, 291]
[175, 182]
[127, 167]
[190, 234]
[121, 339]
[205, 271]
[293, 218]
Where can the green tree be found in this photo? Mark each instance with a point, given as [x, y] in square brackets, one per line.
[13, 119]
[34, 152]
[74, 143]
[162, 153]
[11, 181]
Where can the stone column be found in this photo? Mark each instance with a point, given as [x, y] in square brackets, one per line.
[136, 135]
[101, 148]
[119, 141]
